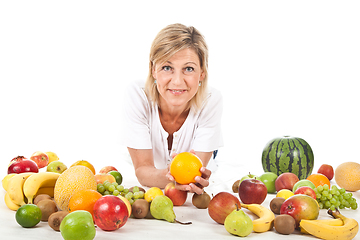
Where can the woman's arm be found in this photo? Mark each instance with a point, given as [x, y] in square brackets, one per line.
[145, 170]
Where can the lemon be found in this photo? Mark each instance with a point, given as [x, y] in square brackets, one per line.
[52, 156]
[151, 193]
[285, 193]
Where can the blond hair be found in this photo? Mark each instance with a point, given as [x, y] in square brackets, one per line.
[169, 41]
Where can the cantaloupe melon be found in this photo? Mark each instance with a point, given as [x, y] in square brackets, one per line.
[71, 181]
[347, 175]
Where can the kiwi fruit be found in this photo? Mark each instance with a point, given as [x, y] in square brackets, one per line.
[201, 201]
[47, 207]
[140, 208]
[40, 197]
[275, 204]
[284, 224]
[235, 186]
[55, 219]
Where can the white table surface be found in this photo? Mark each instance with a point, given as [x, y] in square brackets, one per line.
[202, 227]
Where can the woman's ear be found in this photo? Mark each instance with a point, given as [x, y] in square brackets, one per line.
[202, 76]
[154, 72]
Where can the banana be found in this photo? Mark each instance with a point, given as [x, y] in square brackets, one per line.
[347, 231]
[330, 222]
[15, 187]
[37, 181]
[46, 190]
[265, 222]
[5, 181]
[9, 203]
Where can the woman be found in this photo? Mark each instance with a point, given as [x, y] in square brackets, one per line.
[175, 111]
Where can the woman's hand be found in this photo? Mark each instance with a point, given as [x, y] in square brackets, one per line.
[197, 187]
[201, 181]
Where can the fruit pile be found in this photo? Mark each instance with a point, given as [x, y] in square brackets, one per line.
[61, 196]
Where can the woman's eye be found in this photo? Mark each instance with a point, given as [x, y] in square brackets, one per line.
[166, 68]
[189, 69]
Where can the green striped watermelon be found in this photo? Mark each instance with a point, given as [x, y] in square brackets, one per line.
[288, 154]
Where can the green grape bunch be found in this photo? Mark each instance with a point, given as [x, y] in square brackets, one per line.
[108, 188]
[334, 198]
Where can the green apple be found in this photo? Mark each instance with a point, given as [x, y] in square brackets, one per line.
[238, 223]
[56, 166]
[78, 225]
[117, 175]
[248, 176]
[268, 178]
[303, 182]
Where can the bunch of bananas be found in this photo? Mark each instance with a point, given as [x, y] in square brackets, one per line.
[23, 187]
[340, 227]
[265, 222]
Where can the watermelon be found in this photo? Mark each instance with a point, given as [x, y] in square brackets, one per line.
[288, 154]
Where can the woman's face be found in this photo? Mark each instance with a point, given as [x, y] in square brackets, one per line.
[178, 79]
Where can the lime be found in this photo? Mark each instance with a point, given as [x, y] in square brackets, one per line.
[117, 176]
[28, 215]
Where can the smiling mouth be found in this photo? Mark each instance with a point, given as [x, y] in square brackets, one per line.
[176, 90]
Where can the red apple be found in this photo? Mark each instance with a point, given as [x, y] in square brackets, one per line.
[107, 169]
[286, 181]
[300, 206]
[40, 158]
[110, 213]
[26, 165]
[307, 191]
[252, 191]
[221, 205]
[327, 170]
[177, 196]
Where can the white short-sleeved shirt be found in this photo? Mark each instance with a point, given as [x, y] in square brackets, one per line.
[142, 128]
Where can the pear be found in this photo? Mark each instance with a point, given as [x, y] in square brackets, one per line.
[161, 207]
[238, 223]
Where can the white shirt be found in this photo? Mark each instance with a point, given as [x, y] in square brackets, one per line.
[142, 128]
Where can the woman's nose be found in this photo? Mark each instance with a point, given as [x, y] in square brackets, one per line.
[178, 78]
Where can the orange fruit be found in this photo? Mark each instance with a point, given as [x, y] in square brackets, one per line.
[84, 200]
[84, 163]
[318, 179]
[347, 175]
[71, 181]
[185, 167]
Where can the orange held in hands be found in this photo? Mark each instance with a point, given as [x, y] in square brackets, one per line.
[185, 167]
[318, 179]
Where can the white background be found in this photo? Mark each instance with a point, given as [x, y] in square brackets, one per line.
[283, 67]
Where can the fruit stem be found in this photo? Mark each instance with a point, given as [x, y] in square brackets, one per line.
[335, 214]
[186, 223]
